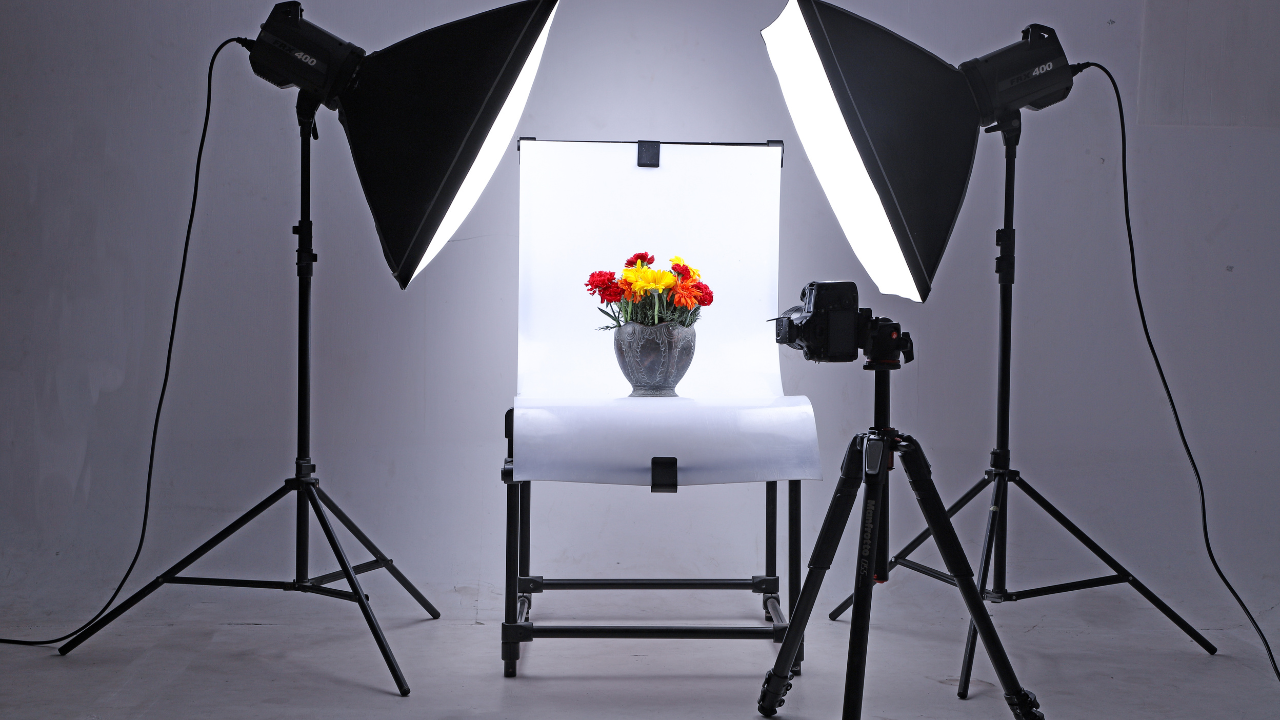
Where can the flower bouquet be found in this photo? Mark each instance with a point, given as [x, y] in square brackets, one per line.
[652, 313]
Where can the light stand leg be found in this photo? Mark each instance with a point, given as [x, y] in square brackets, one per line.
[178, 567]
[1116, 566]
[360, 598]
[971, 638]
[376, 553]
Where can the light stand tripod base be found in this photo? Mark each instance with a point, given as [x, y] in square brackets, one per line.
[311, 499]
[312, 496]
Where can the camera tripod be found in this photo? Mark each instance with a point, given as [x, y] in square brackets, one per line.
[310, 497]
[994, 546]
[867, 462]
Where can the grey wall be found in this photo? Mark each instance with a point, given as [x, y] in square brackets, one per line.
[100, 121]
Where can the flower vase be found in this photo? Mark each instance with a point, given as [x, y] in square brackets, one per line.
[653, 357]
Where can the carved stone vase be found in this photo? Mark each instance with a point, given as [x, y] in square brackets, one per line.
[653, 357]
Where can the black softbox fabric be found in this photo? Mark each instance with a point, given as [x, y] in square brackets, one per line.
[913, 120]
[418, 114]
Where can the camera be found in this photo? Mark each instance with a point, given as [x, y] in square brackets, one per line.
[830, 327]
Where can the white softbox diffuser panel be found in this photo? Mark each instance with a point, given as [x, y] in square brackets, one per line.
[588, 206]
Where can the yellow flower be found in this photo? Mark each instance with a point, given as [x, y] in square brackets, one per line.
[644, 279]
[693, 272]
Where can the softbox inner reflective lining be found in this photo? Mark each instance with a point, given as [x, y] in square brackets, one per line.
[419, 113]
[914, 122]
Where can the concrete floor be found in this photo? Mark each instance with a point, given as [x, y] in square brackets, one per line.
[232, 653]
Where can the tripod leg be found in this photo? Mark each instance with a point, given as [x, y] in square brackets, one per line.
[374, 551]
[341, 556]
[778, 680]
[793, 558]
[918, 540]
[181, 565]
[864, 582]
[971, 637]
[1111, 562]
[1022, 702]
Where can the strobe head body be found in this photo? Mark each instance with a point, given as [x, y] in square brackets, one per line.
[291, 52]
[1032, 72]
[830, 327]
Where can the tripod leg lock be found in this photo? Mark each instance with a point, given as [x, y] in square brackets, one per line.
[1024, 705]
[772, 692]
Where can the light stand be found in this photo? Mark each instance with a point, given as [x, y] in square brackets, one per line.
[994, 546]
[868, 461]
[310, 497]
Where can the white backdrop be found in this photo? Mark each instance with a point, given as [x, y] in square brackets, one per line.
[588, 206]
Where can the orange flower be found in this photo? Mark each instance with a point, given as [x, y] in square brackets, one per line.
[627, 292]
[685, 294]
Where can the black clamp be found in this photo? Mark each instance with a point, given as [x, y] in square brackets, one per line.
[662, 475]
[1004, 263]
[527, 585]
[306, 258]
[1000, 459]
[508, 472]
[647, 152]
[517, 632]
[767, 584]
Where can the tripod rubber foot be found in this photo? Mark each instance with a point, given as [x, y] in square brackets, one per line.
[1024, 705]
[771, 693]
[509, 668]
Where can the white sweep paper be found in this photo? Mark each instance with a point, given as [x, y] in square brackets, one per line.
[588, 206]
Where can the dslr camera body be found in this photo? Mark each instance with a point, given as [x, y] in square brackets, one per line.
[830, 327]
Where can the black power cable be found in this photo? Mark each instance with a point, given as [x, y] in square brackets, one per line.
[155, 429]
[1133, 266]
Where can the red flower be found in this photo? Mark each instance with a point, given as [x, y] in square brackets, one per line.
[643, 257]
[705, 296]
[611, 294]
[603, 284]
[681, 270]
[599, 280]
